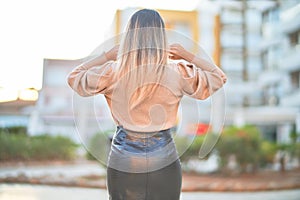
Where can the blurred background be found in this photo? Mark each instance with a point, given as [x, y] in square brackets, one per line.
[47, 133]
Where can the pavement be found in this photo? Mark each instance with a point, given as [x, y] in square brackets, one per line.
[90, 174]
[42, 192]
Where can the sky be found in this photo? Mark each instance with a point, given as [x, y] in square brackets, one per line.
[32, 30]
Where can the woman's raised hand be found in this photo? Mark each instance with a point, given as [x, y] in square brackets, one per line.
[177, 52]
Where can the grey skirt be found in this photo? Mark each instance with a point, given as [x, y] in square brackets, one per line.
[143, 166]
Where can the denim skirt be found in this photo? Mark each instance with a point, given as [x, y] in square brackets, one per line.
[143, 166]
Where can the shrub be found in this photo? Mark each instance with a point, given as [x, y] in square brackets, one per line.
[14, 130]
[99, 146]
[53, 147]
[268, 151]
[188, 147]
[244, 143]
[13, 147]
[296, 150]
[43, 147]
[181, 143]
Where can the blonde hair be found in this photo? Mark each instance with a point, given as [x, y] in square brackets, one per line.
[144, 41]
[143, 48]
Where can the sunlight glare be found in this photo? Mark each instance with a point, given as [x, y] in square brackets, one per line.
[28, 95]
[8, 94]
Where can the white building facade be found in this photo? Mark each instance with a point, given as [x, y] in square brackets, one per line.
[59, 110]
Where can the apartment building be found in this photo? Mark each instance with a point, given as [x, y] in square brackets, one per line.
[281, 65]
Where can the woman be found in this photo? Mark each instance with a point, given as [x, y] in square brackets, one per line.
[143, 89]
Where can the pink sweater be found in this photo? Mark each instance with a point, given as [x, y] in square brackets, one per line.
[131, 103]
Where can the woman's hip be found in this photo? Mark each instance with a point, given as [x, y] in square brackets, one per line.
[141, 152]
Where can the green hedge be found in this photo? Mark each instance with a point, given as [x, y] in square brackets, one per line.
[28, 148]
[99, 146]
[188, 147]
[18, 130]
[245, 143]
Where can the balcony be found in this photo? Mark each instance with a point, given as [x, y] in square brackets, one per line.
[237, 91]
[267, 78]
[261, 115]
[291, 60]
[271, 30]
[289, 19]
[290, 26]
[292, 99]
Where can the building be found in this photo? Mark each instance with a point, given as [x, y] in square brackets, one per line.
[290, 60]
[61, 111]
[280, 75]
[251, 52]
[15, 113]
[16, 106]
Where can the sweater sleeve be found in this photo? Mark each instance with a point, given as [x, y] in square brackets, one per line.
[200, 84]
[91, 81]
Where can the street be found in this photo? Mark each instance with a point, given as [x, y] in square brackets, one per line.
[38, 192]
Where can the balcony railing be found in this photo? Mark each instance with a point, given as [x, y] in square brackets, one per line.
[292, 99]
[271, 30]
[289, 18]
[290, 60]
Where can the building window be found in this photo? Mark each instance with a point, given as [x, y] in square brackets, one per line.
[295, 78]
[271, 15]
[294, 38]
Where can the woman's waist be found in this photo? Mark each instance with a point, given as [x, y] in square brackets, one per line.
[145, 128]
[145, 134]
[138, 142]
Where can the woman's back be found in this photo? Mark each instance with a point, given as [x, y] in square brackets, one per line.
[145, 101]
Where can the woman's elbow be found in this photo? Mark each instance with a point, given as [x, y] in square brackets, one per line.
[221, 75]
[76, 87]
[70, 81]
[203, 95]
[224, 78]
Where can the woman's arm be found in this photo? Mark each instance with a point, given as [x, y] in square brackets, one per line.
[93, 76]
[103, 58]
[177, 52]
[201, 79]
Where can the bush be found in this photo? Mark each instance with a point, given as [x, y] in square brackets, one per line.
[268, 151]
[182, 144]
[187, 148]
[296, 151]
[14, 130]
[243, 143]
[30, 148]
[53, 147]
[99, 146]
[294, 147]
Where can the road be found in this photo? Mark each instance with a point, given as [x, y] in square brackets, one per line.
[38, 192]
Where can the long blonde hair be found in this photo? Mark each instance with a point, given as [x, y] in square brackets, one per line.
[143, 50]
[144, 40]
